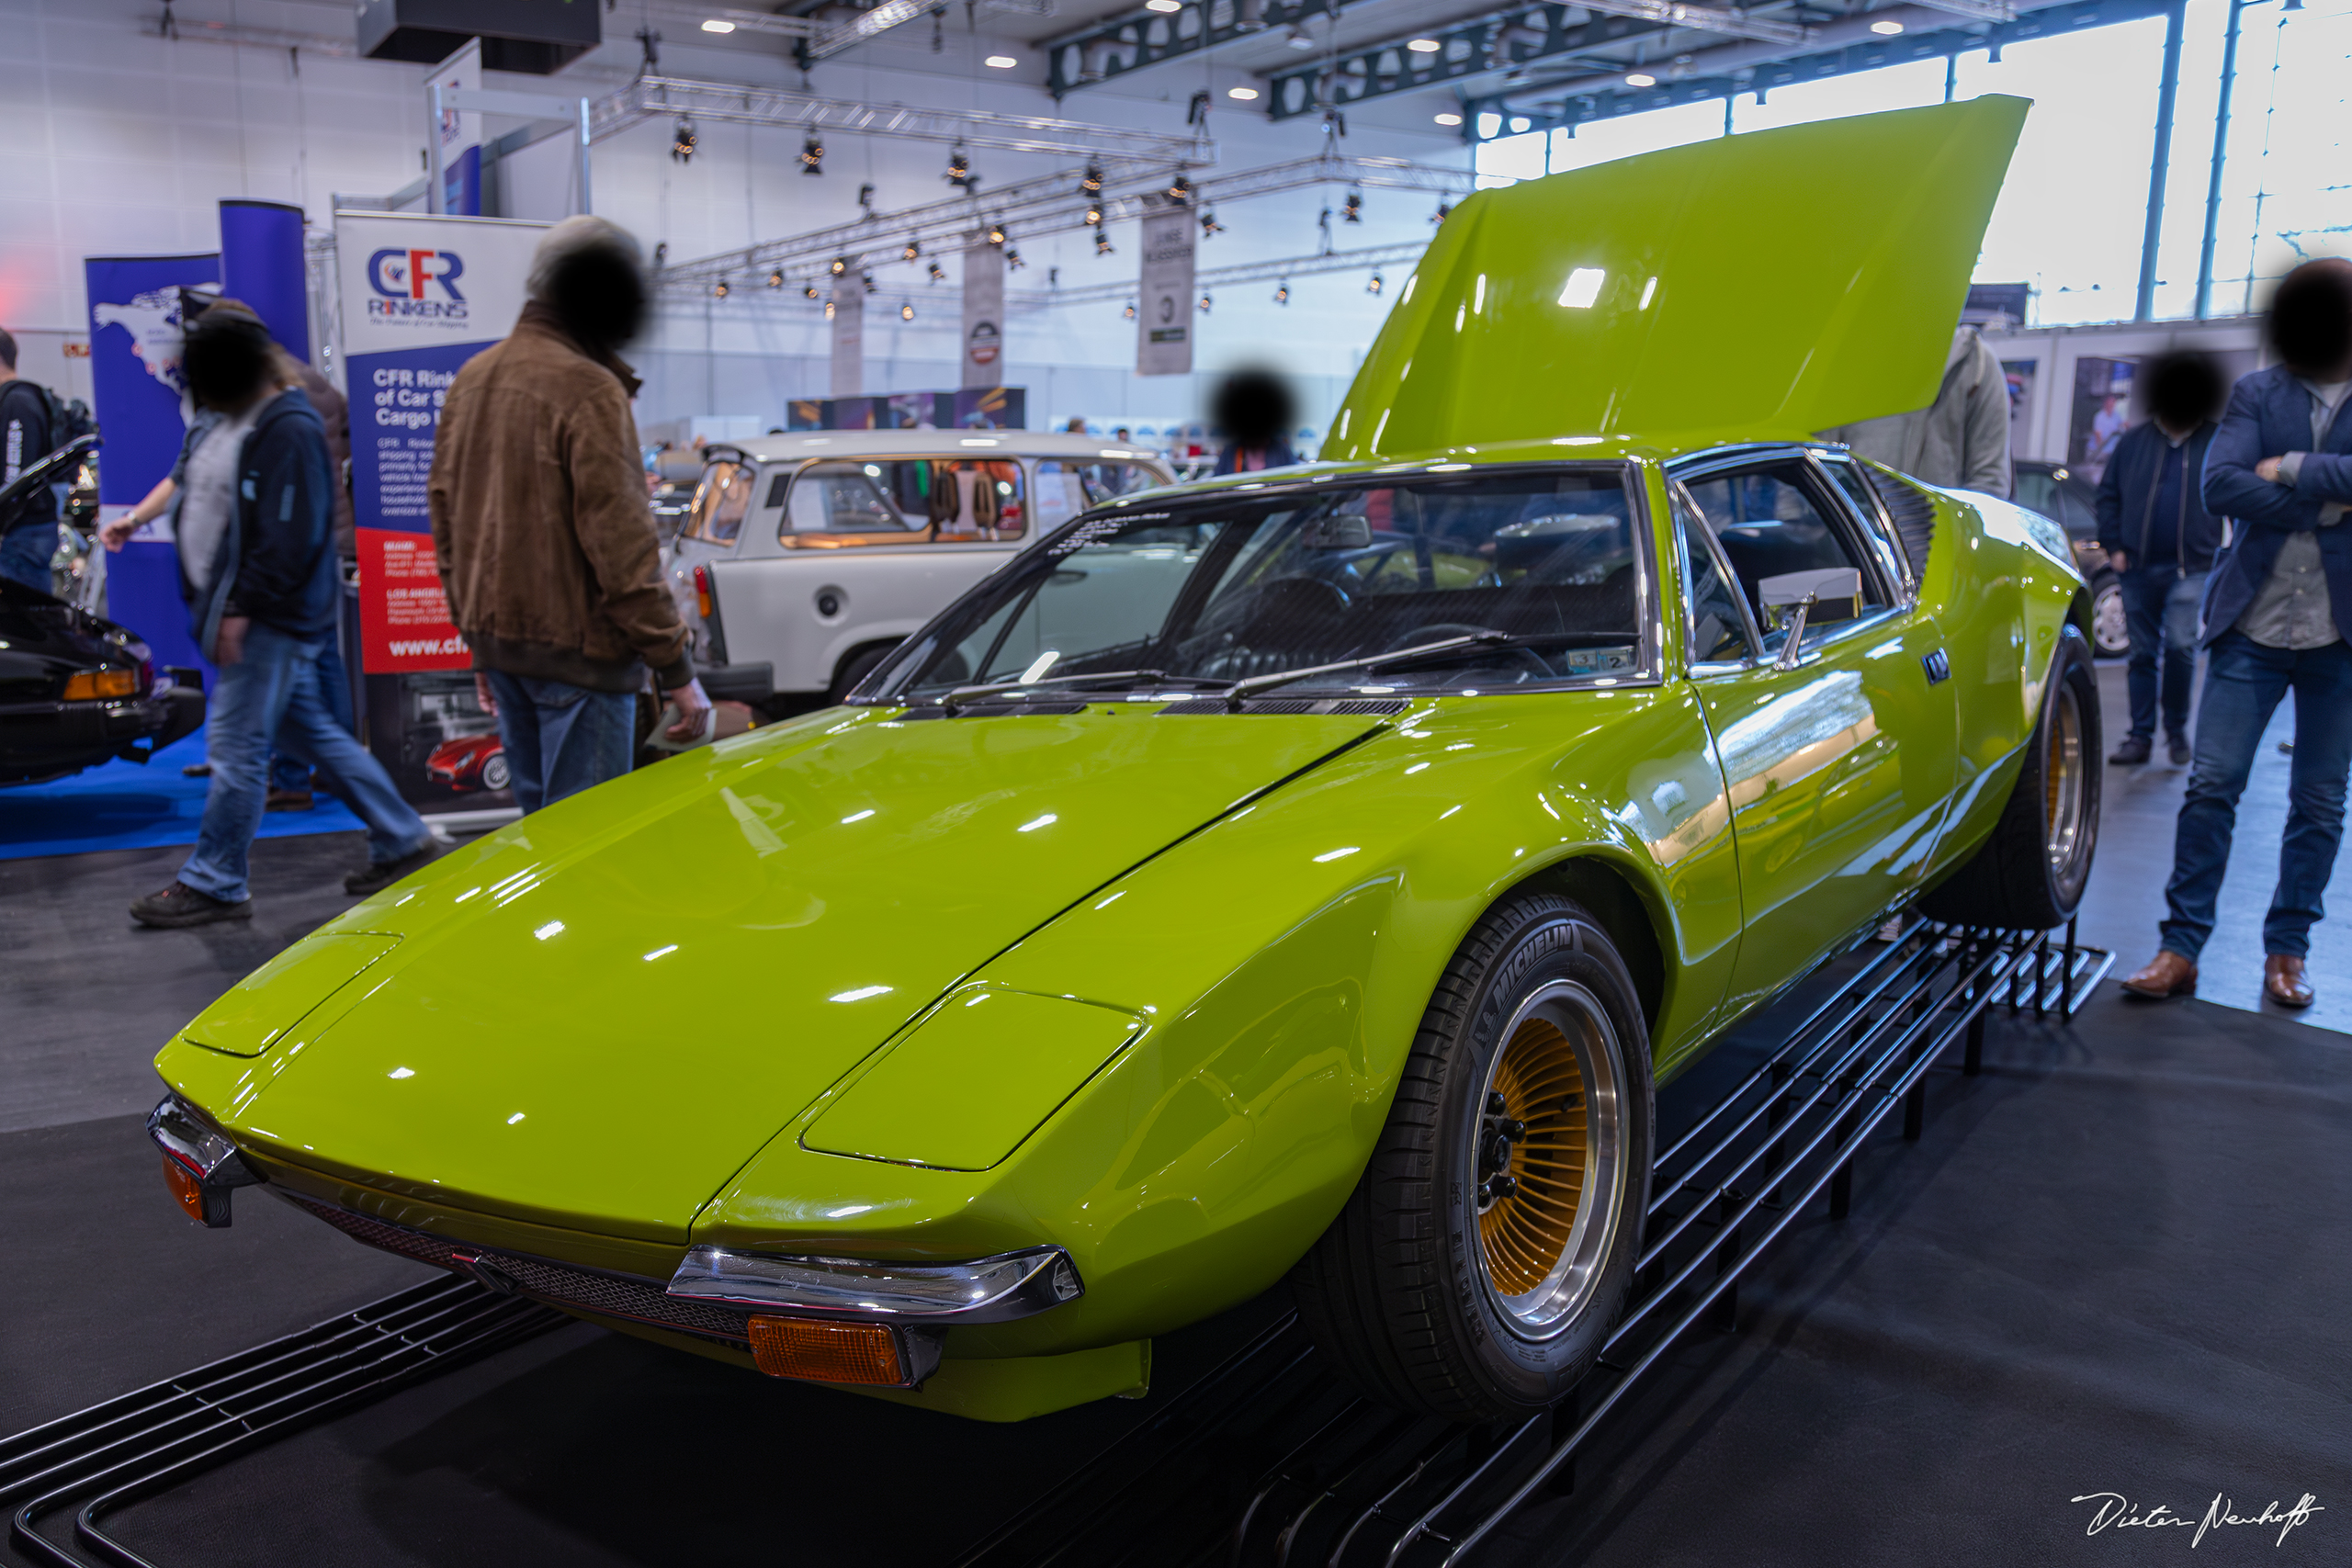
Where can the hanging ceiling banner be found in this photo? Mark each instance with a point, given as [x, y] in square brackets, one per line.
[848, 312]
[460, 133]
[1164, 302]
[983, 316]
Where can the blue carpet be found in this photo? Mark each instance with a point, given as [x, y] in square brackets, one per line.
[123, 806]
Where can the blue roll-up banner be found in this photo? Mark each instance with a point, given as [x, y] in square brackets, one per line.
[139, 401]
[460, 133]
[261, 263]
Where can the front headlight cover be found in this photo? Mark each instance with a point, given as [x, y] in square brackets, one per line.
[989, 1289]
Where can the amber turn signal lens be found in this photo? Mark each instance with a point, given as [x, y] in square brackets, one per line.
[184, 1188]
[93, 685]
[827, 1352]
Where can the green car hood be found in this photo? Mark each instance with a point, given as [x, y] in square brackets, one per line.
[1767, 284]
[593, 1019]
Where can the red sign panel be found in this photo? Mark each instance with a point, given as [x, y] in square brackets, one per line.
[404, 616]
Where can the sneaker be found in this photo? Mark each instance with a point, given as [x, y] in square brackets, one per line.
[180, 905]
[196, 770]
[2177, 749]
[375, 877]
[287, 800]
[2133, 751]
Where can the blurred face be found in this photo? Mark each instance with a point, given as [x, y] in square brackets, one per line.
[2310, 321]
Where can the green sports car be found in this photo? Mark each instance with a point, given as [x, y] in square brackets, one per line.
[1304, 875]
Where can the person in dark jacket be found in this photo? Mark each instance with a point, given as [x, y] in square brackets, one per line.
[258, 571]
[2281, 467]
[29, 534]
[2160, 538]
[1254, 407]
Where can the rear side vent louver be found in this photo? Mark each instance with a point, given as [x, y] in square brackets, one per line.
[1914, 514]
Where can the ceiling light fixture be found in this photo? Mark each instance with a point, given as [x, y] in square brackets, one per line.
[1376, 285]
[1282, 293]
[996, 233]
[999, 62]
[720, 289]
[683, 139]
[1448, 120]
[1180, 191]
[913, 252]
[1640, 79]
[906, 313]
[1013, 261]
[938, 273]
[840, 266]
[1425, 46]
[1091, 182]
[1204, 303]
[812, 156]
[1131, 311]
[715, 25]
[1245, 95]
[1352, 209]
[1209, 225]
[809, 292]
[867, 278]
[960, 168]
[1165, 8]
[1887, 28]
[1101, 244]
[776, 279]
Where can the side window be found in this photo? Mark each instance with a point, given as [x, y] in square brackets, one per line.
[1882, 542]
[1066, 487]
[1718, 631]
[1783, 546]
[721, 501]
[911, 500]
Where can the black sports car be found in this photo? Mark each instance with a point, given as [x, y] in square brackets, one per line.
[75, 691]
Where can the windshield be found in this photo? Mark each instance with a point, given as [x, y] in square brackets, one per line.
[1541, 565]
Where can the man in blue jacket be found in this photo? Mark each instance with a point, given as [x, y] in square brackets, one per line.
[2281, 466]
[253, 519]
[2161, 541]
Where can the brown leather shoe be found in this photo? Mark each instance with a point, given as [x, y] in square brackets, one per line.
[2167, 974]
[2283, 981]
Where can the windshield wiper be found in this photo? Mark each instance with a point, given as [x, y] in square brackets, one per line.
[1470, 644]
[962, 695]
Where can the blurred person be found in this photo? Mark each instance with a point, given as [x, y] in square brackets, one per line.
[291, 785]
[1077, 426]
[1961, 440]
[1122, 438]
[1255, 409]
[2280, 466]
[2160, 539]
[543, 531]
[29, 534]
[259, 574]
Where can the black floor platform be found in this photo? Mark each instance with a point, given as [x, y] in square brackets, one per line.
[2117, 1263]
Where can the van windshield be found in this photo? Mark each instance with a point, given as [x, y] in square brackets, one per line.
[1533, 575]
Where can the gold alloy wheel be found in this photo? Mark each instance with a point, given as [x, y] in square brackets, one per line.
[1549, 1181]
[2064, 795]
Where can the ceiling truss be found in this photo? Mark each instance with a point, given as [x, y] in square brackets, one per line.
[1138, 39]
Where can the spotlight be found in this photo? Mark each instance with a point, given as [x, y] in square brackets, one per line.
[662, 256]
[812, 156]
[867, 278]
[1209, 225]
[1013, 259]
[829, 310]
[809, 292]
[720, 289]
[913, 251]
[960, 169]
[1376, 285]
[906, 313]
[1093, 214]
[1204, 303]
[1282, 293]
[1352, 211]
[776, 279]
[840, 266]
[1101, 244]
[996, 234]
[1053, 277]
[1444, 210]
[681, 140]
[1091, 184]
[938, 273]
[1180, 191]
[1131, 311]
[865, 196]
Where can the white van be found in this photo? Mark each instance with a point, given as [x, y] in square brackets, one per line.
[807, 557]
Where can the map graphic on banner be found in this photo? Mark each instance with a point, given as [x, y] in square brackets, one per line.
[421, 296]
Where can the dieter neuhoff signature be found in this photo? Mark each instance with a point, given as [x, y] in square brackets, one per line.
[2113, 1510]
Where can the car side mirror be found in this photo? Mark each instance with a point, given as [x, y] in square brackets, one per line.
[1836, 592]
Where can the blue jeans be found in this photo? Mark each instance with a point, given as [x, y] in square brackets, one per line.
[2243, 682]
[2161, 607]
[560, 739]
[334, 688]
[273, 692]
[25, 553]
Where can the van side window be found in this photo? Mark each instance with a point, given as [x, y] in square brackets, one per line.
[716, 516]
[896, 501]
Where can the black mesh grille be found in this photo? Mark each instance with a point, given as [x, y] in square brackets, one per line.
[611, 1295]
[1914, 515]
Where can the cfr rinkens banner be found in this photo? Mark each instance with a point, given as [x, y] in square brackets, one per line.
[421, 296]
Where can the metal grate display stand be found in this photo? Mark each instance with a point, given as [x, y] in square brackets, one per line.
[114, 1454]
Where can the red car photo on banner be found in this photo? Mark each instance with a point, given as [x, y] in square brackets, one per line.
[470, 762]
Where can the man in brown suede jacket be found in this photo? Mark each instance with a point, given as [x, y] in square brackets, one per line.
[542, 530]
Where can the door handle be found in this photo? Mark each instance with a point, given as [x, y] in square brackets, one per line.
[1938, 665]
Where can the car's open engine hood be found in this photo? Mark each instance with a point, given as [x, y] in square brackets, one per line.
[595, 1018]
[1769, 284]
